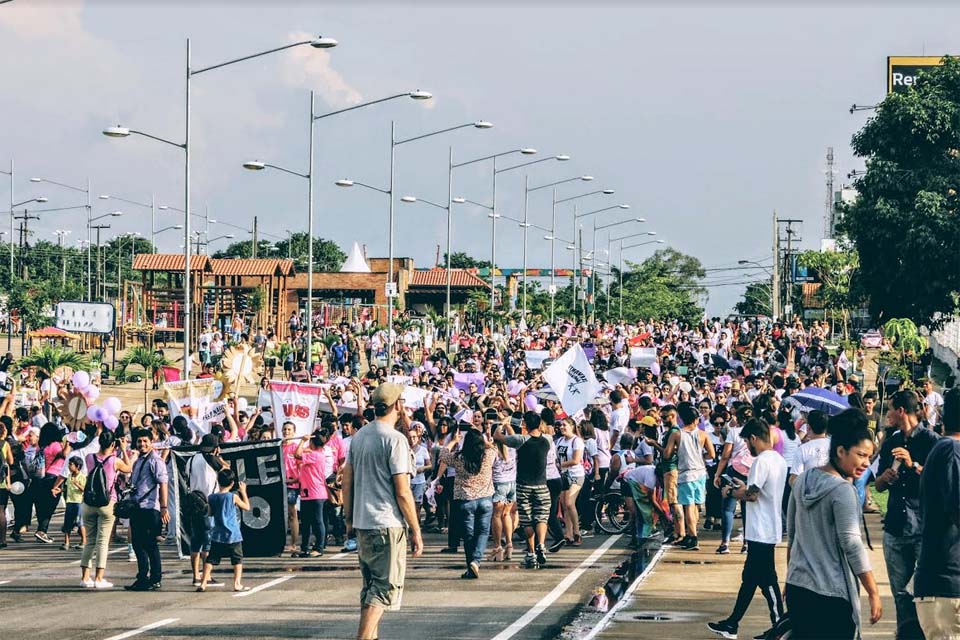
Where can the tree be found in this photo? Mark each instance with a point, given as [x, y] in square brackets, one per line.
[48, 359]
[327, 254]
[243, 249]
[664, 286]
[905, 223]
[756, 300]
[150, 361]
[836, 271]
[460, 260]
[121, 249]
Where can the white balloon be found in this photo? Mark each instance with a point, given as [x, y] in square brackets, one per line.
[17, 488]
[242, 404]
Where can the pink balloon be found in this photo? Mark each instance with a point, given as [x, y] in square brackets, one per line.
[91, 393]
[111, 422]
[112, 405]
[80, 379]
[530, 401]
[434, 370]
[99, 414]
[92, 413]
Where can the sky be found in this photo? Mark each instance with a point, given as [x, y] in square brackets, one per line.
[704, 119]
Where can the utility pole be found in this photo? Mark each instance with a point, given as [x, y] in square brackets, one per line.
[828, 222]
[253, 247]
[776, 267]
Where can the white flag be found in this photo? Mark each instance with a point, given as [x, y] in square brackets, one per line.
[571, 377]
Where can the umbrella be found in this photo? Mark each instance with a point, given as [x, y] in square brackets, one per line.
[815, 398]
[546, 393]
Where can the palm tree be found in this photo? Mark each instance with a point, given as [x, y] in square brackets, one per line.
[48, 359]
[149, 360]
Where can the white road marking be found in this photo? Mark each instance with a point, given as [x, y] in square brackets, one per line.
[622, 602]
[4, 581]
[109, 553]
[261, 587]
[339, 555]
[558, 591]
[147, 627]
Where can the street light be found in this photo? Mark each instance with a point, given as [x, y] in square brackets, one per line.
[119, 131]
[578, 239]
[394, 143]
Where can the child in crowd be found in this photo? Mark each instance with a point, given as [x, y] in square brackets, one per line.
[76, 482]
[225, 538]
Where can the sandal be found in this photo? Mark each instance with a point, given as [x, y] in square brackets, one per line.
[201, 589]
[242, 589]
[496, 555]
[508, 552]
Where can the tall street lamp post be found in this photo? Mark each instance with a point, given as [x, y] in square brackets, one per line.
[391, 288]
[578, 244]
[259, 166]
[122, 132]
[89, 208]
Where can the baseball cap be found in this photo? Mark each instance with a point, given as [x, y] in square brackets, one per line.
[386, 393]
[648, 421]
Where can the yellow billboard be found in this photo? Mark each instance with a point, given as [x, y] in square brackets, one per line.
[903, 71]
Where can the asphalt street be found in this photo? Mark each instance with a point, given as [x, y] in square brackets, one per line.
[294, 598]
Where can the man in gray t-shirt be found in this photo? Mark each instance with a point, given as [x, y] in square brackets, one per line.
[378, 504]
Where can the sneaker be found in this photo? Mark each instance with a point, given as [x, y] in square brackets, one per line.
[137, 586]
[43, 537]
[556, 546]
[102, 584]
[314, 553]
[64, 547]
[449, 550]
[350, 546]
[690, 544]
[763, 635]
[541, 555]
[723, 549]
[530, 561]
[212, 582]
[743, 549]
[77, 547]
[87, 584]
[723, 629]
[131, 556]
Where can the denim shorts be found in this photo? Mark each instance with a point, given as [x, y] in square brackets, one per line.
[505, 491]
[419, 490]
[293, 496]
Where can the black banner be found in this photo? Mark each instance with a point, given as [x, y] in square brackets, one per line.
[260, 465]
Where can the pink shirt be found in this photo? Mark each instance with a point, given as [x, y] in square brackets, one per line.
[53, 466]
[339, 448]
[313, 475]
[292, 465]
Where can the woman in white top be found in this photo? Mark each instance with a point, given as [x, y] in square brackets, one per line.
[570, 454]
[554, 526]
[504, 499]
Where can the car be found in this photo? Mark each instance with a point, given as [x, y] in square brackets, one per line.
[872, 339]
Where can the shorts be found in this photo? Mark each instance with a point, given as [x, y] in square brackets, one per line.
[533, 504]
[200, 528]
[670, 486]
[419, 490]
[4, 497]
[505, 491]
[693, 492]
[71, 516]
[383, 564]
[220, 550]
[293, 496]
[568, 481]
[938, 617]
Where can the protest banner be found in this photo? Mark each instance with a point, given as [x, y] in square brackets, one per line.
[620, 375]
[260, 466]
[571, 377]
[535, 358]
[296, 402]
[462, 381]
[201, 402]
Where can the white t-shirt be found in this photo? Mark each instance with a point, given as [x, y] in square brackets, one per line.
[810, 455]
[420, 457]
[645, 475]
[603, 448]
[733, 438]
[552, 472]
[589, 450]
[769, 474]
[566, 448]
[931, 404]
[790, 448]
[619, 418]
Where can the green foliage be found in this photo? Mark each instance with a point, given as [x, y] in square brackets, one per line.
[148, 360]
[756, 300]
[48, 359]
[837, 271]
[244, 249]
[35, 298]
[327, 255]
[664, 286]
[282, 350]
[905, 337]
[121, 249]
[905, 223]
[460, 260]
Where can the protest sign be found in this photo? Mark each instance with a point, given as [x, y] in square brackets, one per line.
[296, 402]
[571, 377]
[642, 356]
[462, 381]
[201, 402]
[620, 375]
[260, 466]
[535, 358]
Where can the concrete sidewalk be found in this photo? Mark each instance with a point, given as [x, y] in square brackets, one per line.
[687, 589]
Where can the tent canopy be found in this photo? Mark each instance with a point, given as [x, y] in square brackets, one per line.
[355, 262]
[53, 332]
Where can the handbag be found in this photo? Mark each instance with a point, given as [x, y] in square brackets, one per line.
[128, 502]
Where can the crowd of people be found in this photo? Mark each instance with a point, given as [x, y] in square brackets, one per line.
[708, 428]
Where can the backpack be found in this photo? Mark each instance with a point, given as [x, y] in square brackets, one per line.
[36, 466]
[195, 505]
[97, 492]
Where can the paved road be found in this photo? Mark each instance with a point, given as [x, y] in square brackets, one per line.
[299, 598]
